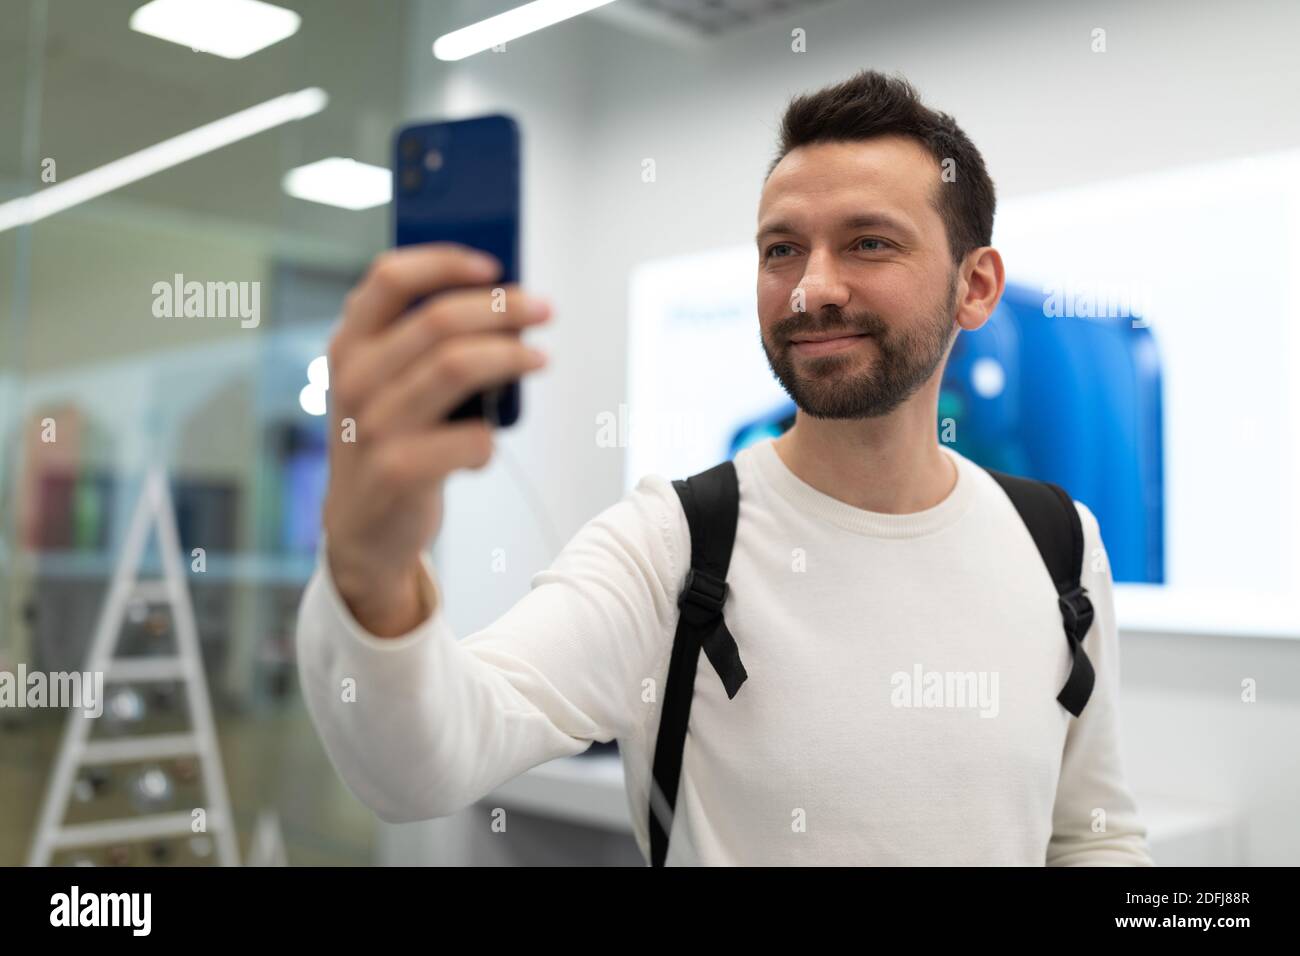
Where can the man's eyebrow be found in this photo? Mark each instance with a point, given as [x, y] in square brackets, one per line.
[863, 221]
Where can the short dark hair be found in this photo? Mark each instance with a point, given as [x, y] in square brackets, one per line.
[870, 104]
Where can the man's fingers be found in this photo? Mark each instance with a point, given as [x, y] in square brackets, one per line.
[381, 358]
[502, 308]
[432, 387]
[411, 462]
[400, 276]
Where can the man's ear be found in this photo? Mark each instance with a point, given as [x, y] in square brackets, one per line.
[980, 289]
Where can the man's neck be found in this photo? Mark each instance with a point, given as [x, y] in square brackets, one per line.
[890, 465]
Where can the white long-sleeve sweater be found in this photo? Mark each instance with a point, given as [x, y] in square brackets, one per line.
[833, 751]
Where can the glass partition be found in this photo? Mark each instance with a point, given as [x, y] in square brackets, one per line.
[163, 300]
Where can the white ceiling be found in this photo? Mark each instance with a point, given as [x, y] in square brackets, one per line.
[106, 91]
[713, 18]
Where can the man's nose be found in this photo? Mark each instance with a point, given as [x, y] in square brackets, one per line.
[821, 285]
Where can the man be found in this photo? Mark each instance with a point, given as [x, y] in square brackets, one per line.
[868, 558]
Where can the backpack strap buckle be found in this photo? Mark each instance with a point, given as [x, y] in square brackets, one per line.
[703, 590]
[1052, 518]
[1076, 615]
[1076, 611]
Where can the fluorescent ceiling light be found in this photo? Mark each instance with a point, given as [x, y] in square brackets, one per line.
[164, 155]
[510, 25]
[229, 28]
[340, 182]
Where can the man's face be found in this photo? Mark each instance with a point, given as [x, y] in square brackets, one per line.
[853, 226]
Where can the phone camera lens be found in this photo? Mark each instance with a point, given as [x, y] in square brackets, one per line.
[410, 149]
[411, 179]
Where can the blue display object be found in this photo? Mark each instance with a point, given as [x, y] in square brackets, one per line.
[1071, 400]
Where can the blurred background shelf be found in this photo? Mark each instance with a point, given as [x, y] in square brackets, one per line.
[293, 570]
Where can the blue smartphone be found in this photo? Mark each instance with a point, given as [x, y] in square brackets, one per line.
[458, 181]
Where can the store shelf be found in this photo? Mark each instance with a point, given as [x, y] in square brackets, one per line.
[1183, 832]
[258, 568]
[1160, 609]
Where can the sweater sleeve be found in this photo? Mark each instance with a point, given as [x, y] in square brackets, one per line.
[1095, 820]
[423, 724]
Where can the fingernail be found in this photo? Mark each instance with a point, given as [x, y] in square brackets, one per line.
[537, 308]
[484, 264]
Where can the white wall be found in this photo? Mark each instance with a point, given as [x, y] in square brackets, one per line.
[1180, 82]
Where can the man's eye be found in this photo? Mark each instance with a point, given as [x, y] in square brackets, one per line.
[880, 244]
[779, 245]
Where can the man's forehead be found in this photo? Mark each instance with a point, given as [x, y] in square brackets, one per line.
[892, 170]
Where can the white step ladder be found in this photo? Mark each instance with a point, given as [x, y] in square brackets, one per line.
[154, 508]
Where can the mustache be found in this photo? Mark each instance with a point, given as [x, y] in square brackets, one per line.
[803, 324]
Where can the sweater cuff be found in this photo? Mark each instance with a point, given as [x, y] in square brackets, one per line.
[430, 607]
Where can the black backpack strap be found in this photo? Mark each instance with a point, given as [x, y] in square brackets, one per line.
[1053, 522]
[711, 501]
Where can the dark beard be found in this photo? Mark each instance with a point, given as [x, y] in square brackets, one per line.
[904, 362]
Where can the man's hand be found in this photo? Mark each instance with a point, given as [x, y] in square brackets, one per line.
[396, 372]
